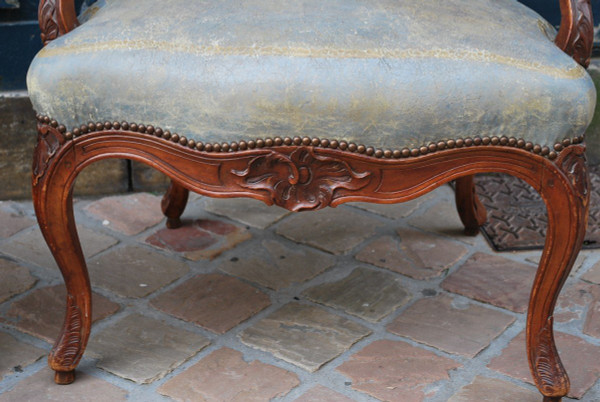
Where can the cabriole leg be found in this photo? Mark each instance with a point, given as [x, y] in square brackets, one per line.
[173, 204]
[470, 209]
[565, 190]
[53, 176]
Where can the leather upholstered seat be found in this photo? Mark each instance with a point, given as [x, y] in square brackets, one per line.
[375, 73]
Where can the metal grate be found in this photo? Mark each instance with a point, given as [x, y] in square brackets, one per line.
[517, 215]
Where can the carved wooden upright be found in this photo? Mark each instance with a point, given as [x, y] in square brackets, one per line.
[56, 18]
[576, 34]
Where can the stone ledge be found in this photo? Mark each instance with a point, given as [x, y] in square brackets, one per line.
[17, 139]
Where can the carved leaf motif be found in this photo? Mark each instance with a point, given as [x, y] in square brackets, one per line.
[583, 41]
[575, 167]
[49, 141]
[48, 20]
[576, 33]
[67, 348]
[550, 373]
[302, 180]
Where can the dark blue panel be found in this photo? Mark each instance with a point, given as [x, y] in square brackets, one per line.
[27, 11]
[19, 43]
[550, 10]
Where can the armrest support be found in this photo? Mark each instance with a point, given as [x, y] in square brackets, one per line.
[56, 18]
[576, 34]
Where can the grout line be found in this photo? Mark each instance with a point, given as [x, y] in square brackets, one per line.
[327, 376]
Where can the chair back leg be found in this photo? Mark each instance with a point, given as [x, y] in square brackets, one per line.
[173, 204]
[471, 211]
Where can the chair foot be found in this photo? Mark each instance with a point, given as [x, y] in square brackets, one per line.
[471, 211]
[173, 223]
[64, 377]
[173, 204]
[471, 231]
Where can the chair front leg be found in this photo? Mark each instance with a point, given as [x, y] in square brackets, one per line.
[173, 204]
[565, 190]
[53, 177]
[471, 211]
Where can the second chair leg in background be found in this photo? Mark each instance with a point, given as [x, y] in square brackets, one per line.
[173, 204]
[471, 211]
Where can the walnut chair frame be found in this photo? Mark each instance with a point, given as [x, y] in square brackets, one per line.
[312, 173]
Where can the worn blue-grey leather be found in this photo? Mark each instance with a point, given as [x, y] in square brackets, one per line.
[385, 73]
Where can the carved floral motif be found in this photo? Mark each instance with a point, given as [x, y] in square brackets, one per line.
[66, 352]
[49, 141]
[301, 180]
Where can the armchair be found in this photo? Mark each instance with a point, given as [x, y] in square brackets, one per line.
[314, 104]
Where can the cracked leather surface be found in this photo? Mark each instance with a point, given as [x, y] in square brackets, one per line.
[387, 73]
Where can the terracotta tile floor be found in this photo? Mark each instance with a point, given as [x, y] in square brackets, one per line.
[251, 303]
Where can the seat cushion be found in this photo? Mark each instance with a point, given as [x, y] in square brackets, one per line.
[387, 74]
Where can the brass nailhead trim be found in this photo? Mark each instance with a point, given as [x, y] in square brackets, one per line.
[549, 152]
